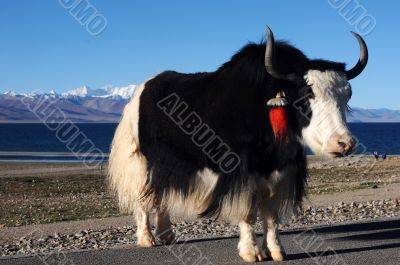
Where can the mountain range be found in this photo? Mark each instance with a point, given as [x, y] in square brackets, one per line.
[357, 115]
[106, 104]
[79, 105]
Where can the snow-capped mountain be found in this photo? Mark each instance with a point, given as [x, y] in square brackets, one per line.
[373, 115]
[124, 92]
[79, 105]
[10, 93]
[83, 92]
[107, 91]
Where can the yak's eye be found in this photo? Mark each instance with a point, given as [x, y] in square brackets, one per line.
[349, 91]
[309, 92]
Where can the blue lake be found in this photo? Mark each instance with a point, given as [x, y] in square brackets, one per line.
[381, 137]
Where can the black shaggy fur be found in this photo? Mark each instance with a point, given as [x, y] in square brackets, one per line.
[231, 101]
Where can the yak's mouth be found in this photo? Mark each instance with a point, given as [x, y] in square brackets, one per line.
[336, 154]
[339, 154]
[343, 153]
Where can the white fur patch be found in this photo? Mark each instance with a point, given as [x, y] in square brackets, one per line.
[332, 92]
[233, 210]
[197, 201]
[127, 167]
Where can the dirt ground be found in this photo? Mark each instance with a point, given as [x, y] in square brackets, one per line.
[40, 193]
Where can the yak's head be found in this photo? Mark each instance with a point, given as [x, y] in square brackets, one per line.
[321, 98]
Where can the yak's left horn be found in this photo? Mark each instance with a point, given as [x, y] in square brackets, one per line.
[270, 64]
[362, 62]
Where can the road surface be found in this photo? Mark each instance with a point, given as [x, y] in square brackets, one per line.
[375, 242]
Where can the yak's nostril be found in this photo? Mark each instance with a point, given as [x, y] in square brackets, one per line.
[346, 146]
[342, 145]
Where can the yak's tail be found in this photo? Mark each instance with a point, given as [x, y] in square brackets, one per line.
[127, 169]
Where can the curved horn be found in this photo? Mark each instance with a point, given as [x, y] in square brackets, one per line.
[270, 58]
[362, 62]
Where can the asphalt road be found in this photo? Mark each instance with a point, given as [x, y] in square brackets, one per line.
[376, 242]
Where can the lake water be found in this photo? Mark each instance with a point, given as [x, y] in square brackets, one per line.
[381, 137]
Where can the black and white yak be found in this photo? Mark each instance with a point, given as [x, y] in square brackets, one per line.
[204, 143]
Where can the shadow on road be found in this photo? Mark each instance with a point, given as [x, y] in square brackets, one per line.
[359, 227]
[366, 232]
[339, 251]
[383, 235]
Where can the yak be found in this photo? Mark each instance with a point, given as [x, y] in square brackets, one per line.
[205, 144]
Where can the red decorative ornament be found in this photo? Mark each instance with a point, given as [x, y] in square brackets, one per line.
[278, 116]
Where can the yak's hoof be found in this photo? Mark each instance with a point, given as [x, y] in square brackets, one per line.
[276, 255]
[251, 254]
[146, 241]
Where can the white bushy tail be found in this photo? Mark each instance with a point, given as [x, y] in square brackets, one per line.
[127, 170]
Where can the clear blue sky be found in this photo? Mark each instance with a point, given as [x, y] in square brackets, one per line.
[43, 47]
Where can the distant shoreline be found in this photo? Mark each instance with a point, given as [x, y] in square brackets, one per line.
[46, 157]
[65, 157]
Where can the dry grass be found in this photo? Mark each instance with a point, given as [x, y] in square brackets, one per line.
[37, 200]
[78, 195]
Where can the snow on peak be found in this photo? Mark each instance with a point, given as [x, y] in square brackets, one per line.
[10, 93]
[124, 92]
[107, 91]
[79, 92]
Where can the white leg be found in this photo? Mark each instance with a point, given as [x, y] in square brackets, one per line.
[144, 236]
[248, 248]
[271, 242]
[164, 227]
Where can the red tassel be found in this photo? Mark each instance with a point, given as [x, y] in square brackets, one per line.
[278, 116]
[279, 122]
